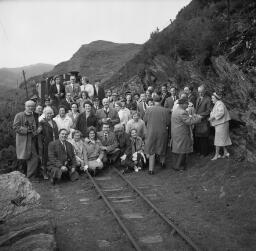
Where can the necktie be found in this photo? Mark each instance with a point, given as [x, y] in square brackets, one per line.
[105, 137]
[106, 112]
[64, 145]
[144, 106]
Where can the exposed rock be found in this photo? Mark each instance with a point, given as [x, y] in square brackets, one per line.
[17, 194]
[19, 233]
[38, 242]
[24, 225]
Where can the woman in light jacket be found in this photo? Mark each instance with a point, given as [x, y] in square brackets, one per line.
[219, 118]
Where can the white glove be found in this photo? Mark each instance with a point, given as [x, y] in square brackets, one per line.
[98, 160]
[63, 168]
[123, 157]
[85, 167]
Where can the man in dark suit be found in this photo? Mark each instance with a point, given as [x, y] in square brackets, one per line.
[190, 94]
[142, 105]
[62, 161]
[107, 115]
[164, 94]
[98, 91]
[110, 144]
[57, 90]
[169, 102]
[73, 88]
[202, 130]
[125, 146]
[67, 101]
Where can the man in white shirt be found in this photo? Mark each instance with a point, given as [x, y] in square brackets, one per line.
[86, 86]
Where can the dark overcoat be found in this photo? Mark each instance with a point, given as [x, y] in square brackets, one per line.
[203, 108]
[48, 135]
[82, 124]
[157, 119]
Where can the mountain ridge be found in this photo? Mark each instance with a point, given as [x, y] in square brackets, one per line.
[10, 76]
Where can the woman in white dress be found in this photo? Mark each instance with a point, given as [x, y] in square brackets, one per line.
[219, 118]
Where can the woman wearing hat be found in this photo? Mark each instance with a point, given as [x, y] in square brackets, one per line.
[219, 118]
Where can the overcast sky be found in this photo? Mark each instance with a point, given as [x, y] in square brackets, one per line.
[52, 31]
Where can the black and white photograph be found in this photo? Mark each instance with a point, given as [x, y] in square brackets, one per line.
[127, 125]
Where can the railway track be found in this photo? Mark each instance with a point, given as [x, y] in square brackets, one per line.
[173, 237]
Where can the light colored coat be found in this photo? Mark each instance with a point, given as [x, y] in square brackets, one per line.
[219, 114]
[24, 139]
[157, 119]
[182, 141]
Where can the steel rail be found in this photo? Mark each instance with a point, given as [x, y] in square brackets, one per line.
[120, 222]
[174, 227]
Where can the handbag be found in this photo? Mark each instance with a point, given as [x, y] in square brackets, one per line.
[202, 129]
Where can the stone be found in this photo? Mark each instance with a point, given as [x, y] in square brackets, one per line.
[122, 201]
[103, 178]
[17, 194]
[84, 199]
[113, 189]
[151, 239]
[37, 242]
[133, 216]
[23, 231]
[103, 243]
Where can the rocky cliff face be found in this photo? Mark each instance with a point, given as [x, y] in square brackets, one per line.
[209, 43]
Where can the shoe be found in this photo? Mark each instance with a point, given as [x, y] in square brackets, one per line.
[216, 157]
[163, 165]
[53, 181]
[226, 155]
[151, 172]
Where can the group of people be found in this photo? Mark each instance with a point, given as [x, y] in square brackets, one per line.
[83, 127]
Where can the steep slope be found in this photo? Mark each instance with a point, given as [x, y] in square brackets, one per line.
[212, 43]
[10, 76]
[99, 59]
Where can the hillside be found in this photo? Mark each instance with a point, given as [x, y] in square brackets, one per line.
[10, 76]
[99, 59]
[210, 43]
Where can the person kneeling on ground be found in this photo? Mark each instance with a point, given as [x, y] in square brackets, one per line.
[62, 160]
[138, 156]
[94, 152]
[109, 144]
[124, 144]
[79, 149]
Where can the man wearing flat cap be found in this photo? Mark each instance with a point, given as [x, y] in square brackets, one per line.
[157, 119]
[182, 136]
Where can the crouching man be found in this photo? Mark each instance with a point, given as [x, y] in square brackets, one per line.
[62, 160]
[125, 147]
[109, 144]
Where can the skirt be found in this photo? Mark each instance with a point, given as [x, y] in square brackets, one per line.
[222, 135]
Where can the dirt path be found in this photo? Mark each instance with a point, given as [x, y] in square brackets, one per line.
[214, 202]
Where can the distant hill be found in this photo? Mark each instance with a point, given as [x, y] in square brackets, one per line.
[9, 76]
[98, 59]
